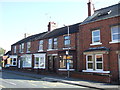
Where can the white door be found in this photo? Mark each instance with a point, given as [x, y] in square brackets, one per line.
[119, 65]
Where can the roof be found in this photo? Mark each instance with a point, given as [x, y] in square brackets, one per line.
[97, 49]
[103, 13]
[8, 53]
[62, 31]
[54, 33]
[31, 38]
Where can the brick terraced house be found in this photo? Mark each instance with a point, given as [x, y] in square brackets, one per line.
[99, 47]
[47, 51]
[92, 47]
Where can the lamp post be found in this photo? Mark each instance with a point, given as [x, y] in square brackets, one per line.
[67, 53]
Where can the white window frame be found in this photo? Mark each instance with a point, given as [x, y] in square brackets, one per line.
[94, 62]
[14, 49]
[12, 58]
[41, 45]
[114, 41]
[50, 44]
[93, 42]
[67, 41]
[89, 62]
[26, 57]
[22, 48]
[28, 46]
[98, 62]
[40, 56]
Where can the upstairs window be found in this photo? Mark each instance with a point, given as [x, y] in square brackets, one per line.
[50, 43]
[96, 36]
[22, 47]
[66, 41]
[115, 32]
[40, 45]
[55, 43]
[28, 46]
[14, 49]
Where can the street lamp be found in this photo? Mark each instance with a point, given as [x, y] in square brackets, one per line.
[67, 52]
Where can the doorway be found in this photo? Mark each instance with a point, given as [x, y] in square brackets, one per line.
[52, 60]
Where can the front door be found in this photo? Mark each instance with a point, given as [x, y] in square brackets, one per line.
[51, 63]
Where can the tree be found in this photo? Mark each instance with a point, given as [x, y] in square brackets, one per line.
[2, 51]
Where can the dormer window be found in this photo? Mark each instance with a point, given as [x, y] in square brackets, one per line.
[104, 13]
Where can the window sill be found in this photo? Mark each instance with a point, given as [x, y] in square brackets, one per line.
[114, 42]
[28, 52]
[39, 67]
[66, 48]
[51, 49]
[66, 69]
[95, 44]
[40, 50]
[97, 71]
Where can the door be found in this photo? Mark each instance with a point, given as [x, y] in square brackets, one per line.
[52, 63]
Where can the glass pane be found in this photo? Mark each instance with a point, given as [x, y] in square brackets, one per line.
[96, 39]
[90, 65]
[90, 58]
[96, 33]
[71, 63]
[67, 42]
[116, 36]
[14, 63]
[99, 65]
[98, 57]
[67, 37]
[14, 59]
[62, 63]
[116, 29]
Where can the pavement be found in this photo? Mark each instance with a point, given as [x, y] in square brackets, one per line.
[73, 81]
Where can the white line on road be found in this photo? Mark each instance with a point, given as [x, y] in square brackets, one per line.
[2, 86]
[9, 82]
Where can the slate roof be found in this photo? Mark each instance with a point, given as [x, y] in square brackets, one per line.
[103, 13]
[50, 34]
[97, 49]
[62, 31]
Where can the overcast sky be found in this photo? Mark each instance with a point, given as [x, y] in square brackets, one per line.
[32, 16]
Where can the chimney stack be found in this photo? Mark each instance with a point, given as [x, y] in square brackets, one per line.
[89, 8]
[51, 26]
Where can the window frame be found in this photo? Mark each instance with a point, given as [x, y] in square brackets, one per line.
[14, 49]
[67, 40]
[118, 40]
[41, 45]
[28, 46]
[55, 43]
[93, 41]
[50, 43]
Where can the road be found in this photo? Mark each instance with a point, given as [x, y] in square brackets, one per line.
[9, 80]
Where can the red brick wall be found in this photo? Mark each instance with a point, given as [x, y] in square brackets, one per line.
[111, 60]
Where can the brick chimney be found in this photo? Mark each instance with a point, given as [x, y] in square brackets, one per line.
[91, 8]
[51, 26]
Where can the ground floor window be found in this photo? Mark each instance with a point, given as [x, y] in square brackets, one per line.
[26, 60]
[64, 60]
[39, 60]
[13, 60]
[94, 62]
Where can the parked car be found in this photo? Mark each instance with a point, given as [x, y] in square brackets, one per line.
[7, 65]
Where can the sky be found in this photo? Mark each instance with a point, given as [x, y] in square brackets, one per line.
[18, 17]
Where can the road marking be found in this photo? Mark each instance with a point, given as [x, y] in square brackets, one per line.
[9, 82]
[2, 86]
